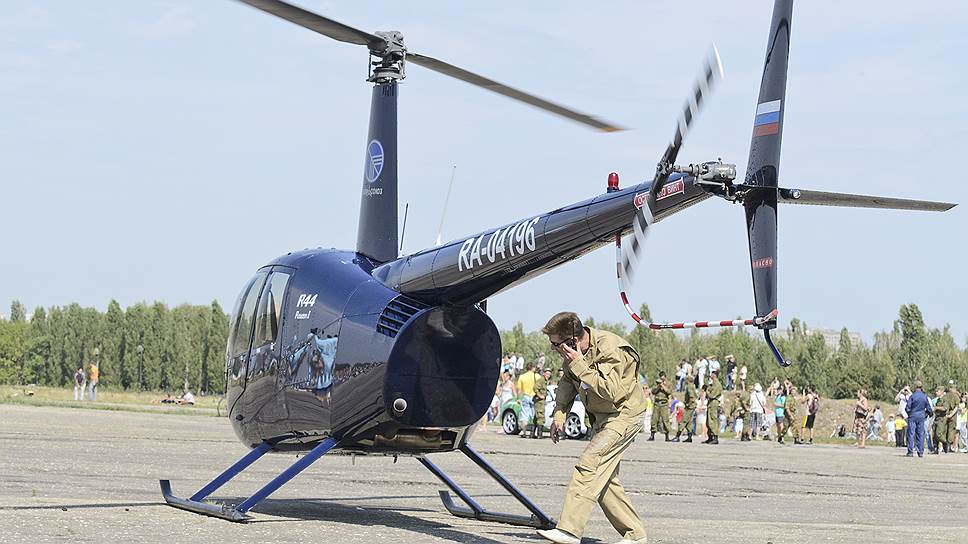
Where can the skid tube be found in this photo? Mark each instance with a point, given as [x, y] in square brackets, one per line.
[239, 513]
[537, 519]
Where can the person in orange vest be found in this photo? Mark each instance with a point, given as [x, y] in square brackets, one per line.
[93, 379]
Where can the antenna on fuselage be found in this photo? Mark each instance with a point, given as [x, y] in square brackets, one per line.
[403, 231]
[443, 213]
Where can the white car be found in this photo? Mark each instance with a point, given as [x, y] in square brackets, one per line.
[513, 423]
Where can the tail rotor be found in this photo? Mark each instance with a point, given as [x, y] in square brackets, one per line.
[712, 73]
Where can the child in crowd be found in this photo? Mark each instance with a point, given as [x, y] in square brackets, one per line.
[891, 436]
[900, 426]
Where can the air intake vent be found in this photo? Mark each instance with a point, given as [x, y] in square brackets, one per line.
[396, 314]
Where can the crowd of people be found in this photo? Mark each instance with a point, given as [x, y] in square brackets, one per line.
[528, 384]
[707, 407]
[708, 400]
[938, 423]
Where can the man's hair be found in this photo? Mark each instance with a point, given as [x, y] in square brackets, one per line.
[529, 366]
[563, 324]
[662, 374]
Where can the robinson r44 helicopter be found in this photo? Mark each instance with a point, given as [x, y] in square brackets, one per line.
[366, 352]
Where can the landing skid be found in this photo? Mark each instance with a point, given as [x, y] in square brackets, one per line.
[239, 513]
[538, 519]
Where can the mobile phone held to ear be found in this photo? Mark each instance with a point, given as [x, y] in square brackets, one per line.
[573, 342]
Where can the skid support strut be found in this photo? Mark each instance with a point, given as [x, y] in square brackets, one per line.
[240, 512]
[475, 511]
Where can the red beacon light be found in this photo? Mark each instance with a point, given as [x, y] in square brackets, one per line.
[612, 182]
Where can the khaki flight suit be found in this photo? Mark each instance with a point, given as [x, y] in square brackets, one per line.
[660, 408]
[606, 380]
[714, 391]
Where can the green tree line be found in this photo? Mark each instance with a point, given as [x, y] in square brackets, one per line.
[147, 347]
[909, 351]
[186, 344]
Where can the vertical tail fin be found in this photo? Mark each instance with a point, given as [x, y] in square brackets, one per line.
[377, 234]
[764, 163]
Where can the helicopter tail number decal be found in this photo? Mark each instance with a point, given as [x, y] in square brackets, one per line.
[503, 243]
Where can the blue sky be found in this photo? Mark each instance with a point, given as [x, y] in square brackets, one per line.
[165, 150]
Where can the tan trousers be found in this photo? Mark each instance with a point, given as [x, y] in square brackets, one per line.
[595, 480]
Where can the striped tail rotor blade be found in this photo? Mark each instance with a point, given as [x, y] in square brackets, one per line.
[632, 252]
[711, 74]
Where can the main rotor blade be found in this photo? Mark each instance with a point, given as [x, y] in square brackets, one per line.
[821, 198]
[318, 23]
[448, 69]
[376, 44]
[712, 72]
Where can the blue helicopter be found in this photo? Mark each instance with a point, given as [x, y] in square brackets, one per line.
[363, 351]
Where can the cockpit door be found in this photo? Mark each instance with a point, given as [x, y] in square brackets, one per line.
[266, 347]
[240, 341]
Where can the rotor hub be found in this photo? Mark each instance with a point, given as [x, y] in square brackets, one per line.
[388, 64]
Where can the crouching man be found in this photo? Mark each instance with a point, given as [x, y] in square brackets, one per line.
[602, 369]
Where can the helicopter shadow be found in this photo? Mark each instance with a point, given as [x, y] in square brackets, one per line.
[395, 517]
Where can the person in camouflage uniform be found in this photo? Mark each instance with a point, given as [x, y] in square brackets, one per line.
[540, 395]
[689, 397]
[949, 429]
[743, 410]
[940, 413]
[660, 407]
[945, 425]
[714, 393]
[792, 421]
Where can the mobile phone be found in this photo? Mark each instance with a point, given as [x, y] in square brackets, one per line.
[572, 344]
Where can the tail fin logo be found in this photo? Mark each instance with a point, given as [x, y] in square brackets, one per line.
[374, 160]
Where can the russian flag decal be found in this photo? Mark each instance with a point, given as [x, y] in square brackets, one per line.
[767, 119]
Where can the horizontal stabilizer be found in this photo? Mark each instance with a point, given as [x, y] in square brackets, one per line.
[821, 198]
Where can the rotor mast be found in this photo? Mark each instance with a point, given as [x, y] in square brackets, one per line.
[378, 231]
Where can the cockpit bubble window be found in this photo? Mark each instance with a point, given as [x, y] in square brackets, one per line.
[244, 316]
[269, 317]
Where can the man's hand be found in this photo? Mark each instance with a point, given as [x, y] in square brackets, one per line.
[556, 430]
[567, 353]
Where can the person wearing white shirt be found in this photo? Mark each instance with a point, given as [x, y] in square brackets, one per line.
[901, 399]
[713, 364]
[757, 409]
[702, 367]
